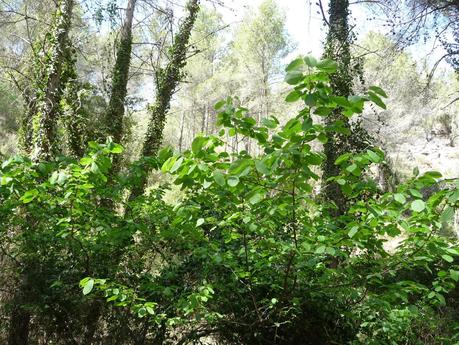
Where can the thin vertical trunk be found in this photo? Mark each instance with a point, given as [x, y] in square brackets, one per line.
[182, 125]
[167, 81]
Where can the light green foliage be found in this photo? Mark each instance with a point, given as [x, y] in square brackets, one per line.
[251, 244]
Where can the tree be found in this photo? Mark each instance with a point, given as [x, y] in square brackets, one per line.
[167, 79]
[50, 83]
[348, 137]
[120, 76]
[259, 45]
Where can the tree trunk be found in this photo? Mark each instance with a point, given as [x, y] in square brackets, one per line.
[337, 47]
[167, 81]
[182, 125]
[19, 325]
[120, 77]
[49, 95]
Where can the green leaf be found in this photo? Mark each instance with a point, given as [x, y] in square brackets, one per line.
[29, 196]
[293, 77]
[311, 61]
[400, 198]
[418, 205]
[88, 286]
[293, 96]
[447, 214]
[353, 231]
[95, 168]
[261, 167]
[197, 144]
[415, 193]
[256, 197]
[199, 222]
[378, 91]
[447, 258]
[343, 158]
[176, 165]
[295, 64]
[116, 148]
[6, 180]
[376, 100]
[454, 275]
[323, 111]
[86, 160]
[352, 168]
[219, 104]
[374, 157]
[61, 178]
[168, 164]
[327, 65]
[270, 122]
[219, 178]
[233, 181]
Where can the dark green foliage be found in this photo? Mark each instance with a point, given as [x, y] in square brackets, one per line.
[250, 255]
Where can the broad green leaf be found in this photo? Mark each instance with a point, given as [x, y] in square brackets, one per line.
[353, 231]
[447, 258]
[168, 164]
[116, 148]
[86, 160]
[415, 193]
[447, 214]
[199, 222]
[261, 167]
[197, 144]
[233, 181]
[374, 157]
[219, 104]
[295, 64]
[418, 205]
[400, 198]
[88, 286]
[343, 158]
[293, 96]
[256, 197]
[433, 174]
[311, 61]
[219, 178]
[327, 65]
[176, 165]
[454, 275]
[294, 77]
[29, 196]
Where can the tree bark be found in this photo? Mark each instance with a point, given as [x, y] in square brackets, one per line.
[45, 118]
[120, 77]
[338, 48]
[166, 84]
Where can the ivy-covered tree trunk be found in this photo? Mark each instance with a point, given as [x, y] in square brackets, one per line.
[120, 77]
[50, 88]
[338, 48]
[166, 82]
[48, 82]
